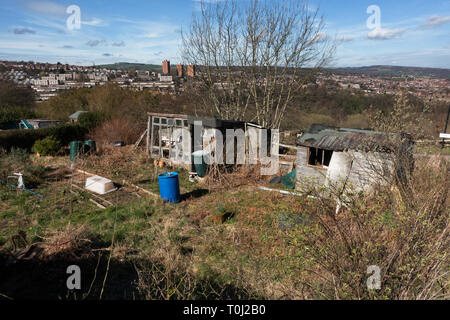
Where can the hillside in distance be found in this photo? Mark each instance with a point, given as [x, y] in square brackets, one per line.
[374, 71]
[132, 66]
[395, 71]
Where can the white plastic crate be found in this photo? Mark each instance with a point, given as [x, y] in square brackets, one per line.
[99, 185]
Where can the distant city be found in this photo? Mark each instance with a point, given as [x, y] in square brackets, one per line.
[49, 80]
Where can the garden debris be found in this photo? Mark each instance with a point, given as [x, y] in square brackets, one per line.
[290, 179]
[69, 242]
[31, 252]
[275, 180]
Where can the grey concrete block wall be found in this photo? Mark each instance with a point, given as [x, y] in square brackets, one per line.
[366, 170]
[306, 175]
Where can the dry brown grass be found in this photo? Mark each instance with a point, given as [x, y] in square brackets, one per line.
[122, 129]
[70, 242]
[406, 235]
[219, 179]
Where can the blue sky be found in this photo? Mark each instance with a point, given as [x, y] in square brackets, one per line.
[412, 33]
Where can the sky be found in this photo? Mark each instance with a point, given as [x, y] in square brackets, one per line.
[409, 33]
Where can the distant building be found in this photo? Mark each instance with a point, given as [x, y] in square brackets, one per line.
[74, 117]
[180, 72]
[143, 74]
[166, 67]
[191, 71]
[165, 78]
[38, 123]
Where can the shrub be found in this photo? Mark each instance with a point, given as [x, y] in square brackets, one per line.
[48, 146]
[116, 130]
[15, 114]
[357, 121]
[15, 161]
[12, 94]
[91, 120]
[25, 139]
[406, 234]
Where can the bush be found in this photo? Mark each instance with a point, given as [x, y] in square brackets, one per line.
[357, 121]
[91, 120]
[49, 146]
[117, 130]
[25, 139]
[12, 94]
[15, 161]
[15, 114]
[403, 232]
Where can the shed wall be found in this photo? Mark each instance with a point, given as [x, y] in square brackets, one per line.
[306, 175]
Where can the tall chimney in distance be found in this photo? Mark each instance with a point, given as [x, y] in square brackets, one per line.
[166, 67]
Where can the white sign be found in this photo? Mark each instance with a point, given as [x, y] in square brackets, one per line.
[444, 135]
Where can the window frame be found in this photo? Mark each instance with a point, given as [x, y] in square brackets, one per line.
[322, 166]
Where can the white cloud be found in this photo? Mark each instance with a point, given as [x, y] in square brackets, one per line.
[435, 22]
[345, 38]
[94, 22]
[385, 34]
[47, 7]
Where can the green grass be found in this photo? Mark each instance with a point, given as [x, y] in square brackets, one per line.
[248, 240]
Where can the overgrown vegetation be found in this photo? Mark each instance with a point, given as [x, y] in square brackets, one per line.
[16, 103]
[49, 146]
[223, 243]
[25, 139]
[406, 237]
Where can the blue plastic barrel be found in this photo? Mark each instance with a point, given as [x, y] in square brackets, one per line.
[169, 187]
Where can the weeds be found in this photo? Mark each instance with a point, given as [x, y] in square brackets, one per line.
[407, 237]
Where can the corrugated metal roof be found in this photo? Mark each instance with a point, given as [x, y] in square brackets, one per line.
[76, 114]
[342, 139]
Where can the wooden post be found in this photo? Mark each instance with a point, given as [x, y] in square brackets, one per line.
[148, 134]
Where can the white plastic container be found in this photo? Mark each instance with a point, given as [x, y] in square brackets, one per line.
[99, 185]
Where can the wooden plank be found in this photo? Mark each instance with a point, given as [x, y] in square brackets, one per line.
[100, 198]
[97, 204]
[167, 115]
[85, 172]
[150, 136]
[125, 182]
[288, 146]
[91, 200]
[140, 139]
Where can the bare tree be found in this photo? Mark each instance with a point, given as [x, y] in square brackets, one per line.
[250, 54]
